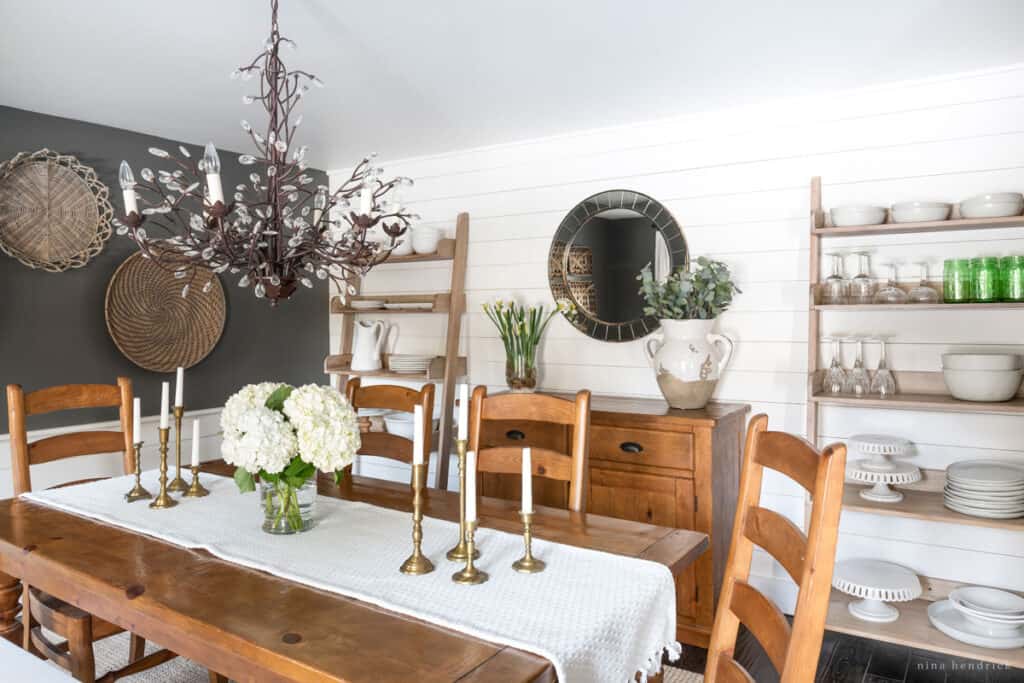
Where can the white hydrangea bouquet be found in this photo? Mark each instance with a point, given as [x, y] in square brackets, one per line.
[283, 435]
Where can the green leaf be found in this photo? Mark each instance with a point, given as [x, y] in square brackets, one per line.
[276, 400]
[244, 480]
[268, 477]
[338, 476]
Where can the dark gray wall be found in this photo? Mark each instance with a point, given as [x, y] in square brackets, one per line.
[52, 329]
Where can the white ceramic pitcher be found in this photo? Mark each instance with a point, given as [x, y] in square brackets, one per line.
[367, 344]
[688, 361]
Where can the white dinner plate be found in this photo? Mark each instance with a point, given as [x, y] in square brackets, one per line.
[947, 619]
[1009, 504]
[986, 473]
[1003, 622]
[984, 514]
[989, 600]
[987, 493]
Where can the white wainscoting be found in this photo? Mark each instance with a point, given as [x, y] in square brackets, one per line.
[737, 181]
[110, 464]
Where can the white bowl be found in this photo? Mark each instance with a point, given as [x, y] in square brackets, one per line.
[981, 361]
[400, 424]
[857, 215]
[989, 386]
[404, 246]
[914, 212]
[994, 205]
[425, 240]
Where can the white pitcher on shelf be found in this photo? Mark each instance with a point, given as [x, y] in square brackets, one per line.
[368, 344]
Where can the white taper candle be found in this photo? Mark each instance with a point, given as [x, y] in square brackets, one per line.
[165, 399]
[527, 481]
[137, 420]
[471, 486]
[463, 412]
[417, 435]
[366, 201]
[195, 442]
[179, 388]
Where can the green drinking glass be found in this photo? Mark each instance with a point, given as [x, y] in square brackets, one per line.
[1013, 278]
[957, 283]
[985, 274]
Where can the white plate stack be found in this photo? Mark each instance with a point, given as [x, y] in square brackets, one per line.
[986, 617]
[992, 489]
[409, 364]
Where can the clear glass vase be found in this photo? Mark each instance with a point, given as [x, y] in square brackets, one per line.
[287, 509]
[521, 373]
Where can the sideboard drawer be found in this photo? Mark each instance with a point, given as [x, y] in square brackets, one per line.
[642, 447]
[522, 433]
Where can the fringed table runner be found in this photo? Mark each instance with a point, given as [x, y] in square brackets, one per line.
[594, 615]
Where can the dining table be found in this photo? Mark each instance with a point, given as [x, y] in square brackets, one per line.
[249, 625]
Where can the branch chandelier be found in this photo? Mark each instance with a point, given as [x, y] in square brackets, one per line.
[280, 229]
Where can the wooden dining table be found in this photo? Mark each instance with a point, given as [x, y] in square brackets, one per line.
[253, 626]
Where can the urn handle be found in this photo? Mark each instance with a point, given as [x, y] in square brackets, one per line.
[726, 346]
[651, 347]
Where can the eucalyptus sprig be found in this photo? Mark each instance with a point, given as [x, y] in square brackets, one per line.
[686, 294]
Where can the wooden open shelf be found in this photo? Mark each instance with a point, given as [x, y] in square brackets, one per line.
[340, 364]
[440, 302]
[445, 252]
[925, 505]
[913, 629]
[907, 228]
[907, 286]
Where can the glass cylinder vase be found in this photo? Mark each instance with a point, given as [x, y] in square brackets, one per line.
[521, 373]
[287, 509]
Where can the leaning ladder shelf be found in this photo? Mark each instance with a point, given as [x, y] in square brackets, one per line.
[920, 391]
[447, 368]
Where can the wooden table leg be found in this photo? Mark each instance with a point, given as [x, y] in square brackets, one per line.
[10, 594]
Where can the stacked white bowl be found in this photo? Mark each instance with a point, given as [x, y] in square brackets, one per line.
[988, 377]
[986, 617]
[993, 489]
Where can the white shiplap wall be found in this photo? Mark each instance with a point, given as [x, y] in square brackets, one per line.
[737, 181]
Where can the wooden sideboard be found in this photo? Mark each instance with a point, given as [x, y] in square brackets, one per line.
[650, 463]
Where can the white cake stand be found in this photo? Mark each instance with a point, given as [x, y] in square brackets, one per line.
[900, 473]
[876, 583]
[880, 450]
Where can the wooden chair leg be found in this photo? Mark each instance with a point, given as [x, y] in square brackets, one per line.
[26, 619]
[136, 648]
[217, 678]
[83, 665]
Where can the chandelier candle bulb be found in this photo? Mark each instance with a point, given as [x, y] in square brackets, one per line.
[463, 412]
[127, 181]
[471, 487]
[211, 165]
[179, 388]
[165, 390]
[366, 201]
[417, 435]
[137, 420]
[527, 507]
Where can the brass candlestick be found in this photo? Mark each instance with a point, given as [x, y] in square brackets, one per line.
[528, 564]
[470, 574]
[139, 492]
[177, 485]
[163, 500]
[196, 490]
[417, 562]
[458, 553]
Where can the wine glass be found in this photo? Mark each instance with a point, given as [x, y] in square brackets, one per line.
[834, 288]
[835, 377]
[923, 293]
[891, 293]
[858, 382]
[862, 286]
[883, 383]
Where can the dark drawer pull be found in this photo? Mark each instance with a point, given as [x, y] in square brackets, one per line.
[631, 447]
[515, 435]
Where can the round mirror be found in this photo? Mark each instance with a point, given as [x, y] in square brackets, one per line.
[597, 253]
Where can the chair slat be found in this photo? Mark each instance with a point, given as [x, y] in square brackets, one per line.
[731, 671]
[386, 445]
[386, 396]
[72, 396]
[509, 460]
[539, 407]
[764, 620]
[76, 443]
[791, 455]
[782, 539]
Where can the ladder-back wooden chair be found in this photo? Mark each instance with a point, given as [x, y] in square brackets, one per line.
[392, 397]
[79, 629]
[570, 467]
[792, 649]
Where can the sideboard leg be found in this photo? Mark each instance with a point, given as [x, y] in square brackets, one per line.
[10, 594]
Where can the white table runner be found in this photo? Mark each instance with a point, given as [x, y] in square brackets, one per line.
[596, 616]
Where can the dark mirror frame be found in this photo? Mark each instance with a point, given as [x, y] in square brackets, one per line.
[573, 223]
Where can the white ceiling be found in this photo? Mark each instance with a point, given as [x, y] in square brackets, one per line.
[410, 77]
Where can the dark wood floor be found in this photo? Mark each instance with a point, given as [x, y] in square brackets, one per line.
[846, 659]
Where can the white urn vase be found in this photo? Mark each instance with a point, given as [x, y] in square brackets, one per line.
[688, 359]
